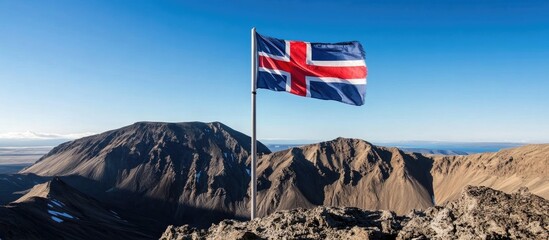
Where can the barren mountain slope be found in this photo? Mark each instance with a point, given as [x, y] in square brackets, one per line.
[54, 210]
[175, 172]
[506, 170]
[344, 172]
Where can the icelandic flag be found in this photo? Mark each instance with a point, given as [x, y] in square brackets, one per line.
[330, 71]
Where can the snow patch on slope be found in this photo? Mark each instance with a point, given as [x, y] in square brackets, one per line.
[58, 203]
[197, 176]
[115, 214]
[59, 220]
[60, 214]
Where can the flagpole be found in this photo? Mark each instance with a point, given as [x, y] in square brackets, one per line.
[253, 203]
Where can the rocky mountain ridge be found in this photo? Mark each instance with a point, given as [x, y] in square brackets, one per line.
[55, 210]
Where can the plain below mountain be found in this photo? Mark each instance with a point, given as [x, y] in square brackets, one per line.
[434, 151]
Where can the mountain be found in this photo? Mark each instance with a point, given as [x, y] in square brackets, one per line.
[13, 186]
[198, 174]
[344, 172]
[479, 213]
[355, 173]
[506, 170]
[54, 210]
[173, 172]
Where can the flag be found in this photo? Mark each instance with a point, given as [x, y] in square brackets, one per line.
[329, 71]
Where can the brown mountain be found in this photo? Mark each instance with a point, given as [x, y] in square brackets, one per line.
[197, 173]
[354, 173]
[344, 172]
[173, 172]
[54, 210]
[506, 170]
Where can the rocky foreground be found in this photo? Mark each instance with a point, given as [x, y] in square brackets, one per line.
[479, 213]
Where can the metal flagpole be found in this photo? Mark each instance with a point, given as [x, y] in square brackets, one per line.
[253, 166]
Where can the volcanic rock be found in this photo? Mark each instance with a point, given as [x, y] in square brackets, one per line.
[316, 223]
[483, 213]
[480, 213]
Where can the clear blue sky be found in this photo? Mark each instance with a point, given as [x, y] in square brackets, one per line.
[438, 70]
